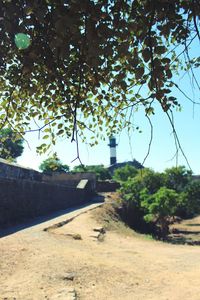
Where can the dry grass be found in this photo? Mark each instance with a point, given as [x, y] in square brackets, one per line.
[108, 216]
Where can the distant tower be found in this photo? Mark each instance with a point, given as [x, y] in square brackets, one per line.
[112, 144]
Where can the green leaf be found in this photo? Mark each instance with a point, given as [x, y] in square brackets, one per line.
[60, 132]
[146, 53]
[139, 72]
[160, 49]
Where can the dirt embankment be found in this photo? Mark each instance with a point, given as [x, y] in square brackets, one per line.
[75, 261]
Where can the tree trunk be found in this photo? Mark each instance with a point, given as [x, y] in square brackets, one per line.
[164, 227]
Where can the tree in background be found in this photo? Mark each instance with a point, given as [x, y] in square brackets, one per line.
[79, 65]
[80, 168]
[122, 174]
[132, 193]
[11, 144]
[150, 179]
[177, 178]
[101, 172]
[53, 164]
[159, 207]
[153, 198]
[191, 192]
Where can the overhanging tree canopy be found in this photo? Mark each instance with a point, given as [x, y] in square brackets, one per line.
[11, 145]
[88, 61]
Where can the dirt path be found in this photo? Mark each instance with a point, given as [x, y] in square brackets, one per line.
[35, 265]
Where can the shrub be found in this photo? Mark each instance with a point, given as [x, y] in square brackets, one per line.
[150, 198]
[133, 191]
[53, 164]
[101, 172]
[124, 173]
[159, 207]
[132, 210]
[150, 180]
[192, 198]
[177, 178]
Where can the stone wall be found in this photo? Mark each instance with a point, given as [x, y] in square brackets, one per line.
[24, 199]
[107, 186]
[71, 179]
[12, 170]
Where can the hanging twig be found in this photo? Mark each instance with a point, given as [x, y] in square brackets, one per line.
[177, 138]
[151, 138]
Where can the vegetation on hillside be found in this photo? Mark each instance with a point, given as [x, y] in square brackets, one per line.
[122, 174]
[151, 199]
[101, 172]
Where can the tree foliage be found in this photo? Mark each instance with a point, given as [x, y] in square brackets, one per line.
[150, 179]
[101, 172]
[53, 164]
[11, 144]
[155, 197]
[122, 174]
[160, 206]
[177, 178]
[134, 191]
[192, 192]
[89, 60]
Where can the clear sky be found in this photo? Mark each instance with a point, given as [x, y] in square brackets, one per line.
[163, 149]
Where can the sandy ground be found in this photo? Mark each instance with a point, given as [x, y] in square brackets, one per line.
[37, 264]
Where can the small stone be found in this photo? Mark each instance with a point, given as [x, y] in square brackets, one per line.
[72, 290]
[65, 294]
[77, 236]
[101, 237]
[100, 229]
[69, 276]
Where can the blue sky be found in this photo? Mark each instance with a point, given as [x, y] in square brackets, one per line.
[187, 124]
[162, 149]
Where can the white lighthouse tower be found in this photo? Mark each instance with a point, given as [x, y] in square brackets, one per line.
[112, 144]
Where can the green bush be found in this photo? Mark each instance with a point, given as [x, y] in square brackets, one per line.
[150, 180]
[132, 193]
[124, 173]
[177, 178]
[153, 197]
[192, 198]
[53, 164]
[101, 172]
[159, 207]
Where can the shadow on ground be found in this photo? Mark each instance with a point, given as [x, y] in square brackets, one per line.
[182, 234]
[41, 219]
